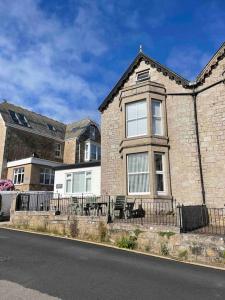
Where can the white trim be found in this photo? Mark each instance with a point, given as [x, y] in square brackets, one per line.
[33, 160]
[160, 118]
[163, 173]
[137, 118]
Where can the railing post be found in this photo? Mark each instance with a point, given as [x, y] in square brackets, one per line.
[57, 211]
[82, 205]
[109, 219]
[37, 202]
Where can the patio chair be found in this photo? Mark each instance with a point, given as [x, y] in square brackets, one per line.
[120, 205]
[75, 206]
[90, 204]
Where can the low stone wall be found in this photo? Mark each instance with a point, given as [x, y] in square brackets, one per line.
[155, 239]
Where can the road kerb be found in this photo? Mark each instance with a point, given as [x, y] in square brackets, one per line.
[114, 247]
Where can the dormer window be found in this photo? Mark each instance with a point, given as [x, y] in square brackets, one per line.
[15, 117]
[19, 118]
[141, 76]
[23, 120]
[51, 127]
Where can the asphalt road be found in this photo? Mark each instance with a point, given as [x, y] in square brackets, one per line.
[42, 267]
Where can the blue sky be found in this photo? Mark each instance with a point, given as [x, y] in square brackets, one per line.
[61, 57]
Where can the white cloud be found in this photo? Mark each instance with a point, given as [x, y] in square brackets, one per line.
[41, 60]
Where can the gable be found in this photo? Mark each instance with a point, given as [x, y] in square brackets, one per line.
[146, 62]
[212, 64]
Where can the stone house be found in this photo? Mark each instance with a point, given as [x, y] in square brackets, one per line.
[32, 145]
[163, 137]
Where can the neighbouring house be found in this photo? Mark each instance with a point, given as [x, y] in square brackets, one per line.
[81, 179]
[32, 145]
[163, 136]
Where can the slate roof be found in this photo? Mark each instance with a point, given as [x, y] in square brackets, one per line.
[75, 129]
[39, 123]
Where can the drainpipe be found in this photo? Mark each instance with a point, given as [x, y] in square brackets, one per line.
[194, 96]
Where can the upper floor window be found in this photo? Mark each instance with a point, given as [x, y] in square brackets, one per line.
[18, 176]
[58, 150]
[157, 128]
[160, 172]
[136, 118]
[138, 173]
[92, 151]
[19, 118]
[47, 176]
[51, 127]
[142, 75]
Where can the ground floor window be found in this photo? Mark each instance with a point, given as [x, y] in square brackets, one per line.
[46, 176]
[18, 176]
[78, 182]
[138, 173]
[160, 172]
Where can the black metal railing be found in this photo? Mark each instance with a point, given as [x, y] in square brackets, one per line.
[189, 218]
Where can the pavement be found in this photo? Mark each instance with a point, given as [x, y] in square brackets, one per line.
[43, 267]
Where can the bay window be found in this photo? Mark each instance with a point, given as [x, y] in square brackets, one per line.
[138, 173]
[157, 128]
[136, 118]
[92, 151]
[160, 172]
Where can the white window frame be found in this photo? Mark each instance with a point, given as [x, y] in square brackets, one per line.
[69, 177]
[136, 119]
[16, 173]
[45, 172]
[92, 132]
[160, 172]
[160, 118]
[58, 150]
[136, 173]
[87, 151]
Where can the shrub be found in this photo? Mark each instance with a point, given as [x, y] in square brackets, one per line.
[102, 231]
[74, 228]
[164, 249]
[183, 254]
[168, 234]
[128, 242]
[137, 232]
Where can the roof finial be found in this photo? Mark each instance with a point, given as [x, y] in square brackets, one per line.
[140, 49]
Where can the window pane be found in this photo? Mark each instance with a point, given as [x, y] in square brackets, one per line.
[138, 183]
[157, 126]
[141, 126]
[159, 183]
[158, 162]
[88, 184]
[79, 182]
[141, 109]
[136, 118]
[138, 174]
[156, 108]
[138, 162]
[93, 151]
[131, 111]
[132, 128]
[68, 186]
